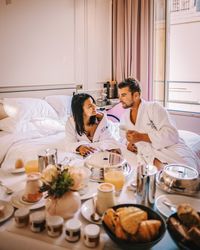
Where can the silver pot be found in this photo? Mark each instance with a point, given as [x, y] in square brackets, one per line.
[99, 162]
[181, 178]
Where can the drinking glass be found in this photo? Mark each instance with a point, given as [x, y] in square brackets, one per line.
[116, 177]
[31, 166]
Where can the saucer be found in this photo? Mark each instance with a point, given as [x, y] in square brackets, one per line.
[18, 202]
[176, 200]
[17, 170]
[89, 191]
[87, 210]
[8, 210]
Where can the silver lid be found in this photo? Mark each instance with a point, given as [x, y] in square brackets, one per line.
[180, 171]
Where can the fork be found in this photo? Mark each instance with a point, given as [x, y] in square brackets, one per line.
[7, 189]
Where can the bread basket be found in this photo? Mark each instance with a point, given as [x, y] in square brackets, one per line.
[179, 178]
[99, 161]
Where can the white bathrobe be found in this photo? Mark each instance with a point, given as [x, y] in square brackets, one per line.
[103, 137]
[166, 145]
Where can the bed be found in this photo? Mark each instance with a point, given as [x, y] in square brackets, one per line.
[37, 122]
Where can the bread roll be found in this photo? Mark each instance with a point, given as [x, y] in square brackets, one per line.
[187, 215]
[19, 163]
[148, 230]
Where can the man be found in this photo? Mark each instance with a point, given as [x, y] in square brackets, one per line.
[148, 131]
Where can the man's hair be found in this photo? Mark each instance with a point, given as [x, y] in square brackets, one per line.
[77, 111]
[132, 83]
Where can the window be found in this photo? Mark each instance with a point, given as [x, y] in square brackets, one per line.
[176, 77]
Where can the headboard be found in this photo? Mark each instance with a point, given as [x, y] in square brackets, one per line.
[36, 91]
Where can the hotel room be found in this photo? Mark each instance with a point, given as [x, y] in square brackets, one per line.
[52, 50]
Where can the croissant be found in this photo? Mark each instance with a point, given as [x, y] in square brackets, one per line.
[148, 230]
[110, 218]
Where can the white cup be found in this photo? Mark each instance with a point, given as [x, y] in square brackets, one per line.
[37, 221]
[91, 235]
[72, 230]
[21, 217]
[54, 225]
[105, 197]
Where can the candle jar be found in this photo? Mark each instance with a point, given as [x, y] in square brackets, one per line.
[91, 235]
[54, 225]
[105, 197]
[21, 217]
[73, 230]
[37, 221]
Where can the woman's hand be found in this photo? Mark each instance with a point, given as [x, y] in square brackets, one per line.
[131, 147]
[85, 150]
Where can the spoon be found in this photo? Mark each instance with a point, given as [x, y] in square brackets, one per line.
[7, 189]
[171, 206]
[95, 216]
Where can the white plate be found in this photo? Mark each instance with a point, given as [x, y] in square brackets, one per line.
[17, 170]
[177, 200]
[8, 211]
[89, 191]
[16, 201]
[87, 210]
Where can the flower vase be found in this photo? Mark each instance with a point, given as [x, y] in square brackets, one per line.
[65, 206]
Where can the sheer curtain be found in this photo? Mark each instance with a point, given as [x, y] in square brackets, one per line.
[132, 42]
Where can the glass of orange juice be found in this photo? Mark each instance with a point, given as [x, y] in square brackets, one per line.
[116, 177]
[31, 166]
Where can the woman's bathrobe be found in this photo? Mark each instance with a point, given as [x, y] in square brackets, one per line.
[166, 145]
[103, 137]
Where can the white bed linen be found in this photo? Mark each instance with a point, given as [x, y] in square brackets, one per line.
[26, 146]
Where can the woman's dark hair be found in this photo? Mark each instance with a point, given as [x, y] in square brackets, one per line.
[77, 111]
[132, 83]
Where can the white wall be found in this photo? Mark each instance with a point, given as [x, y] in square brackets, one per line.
[55, 42]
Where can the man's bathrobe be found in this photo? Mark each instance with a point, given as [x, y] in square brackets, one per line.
[166, 145]
[103, 137]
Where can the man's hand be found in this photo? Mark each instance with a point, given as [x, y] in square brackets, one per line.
[133, 136]
[85, 150]
[131, 147]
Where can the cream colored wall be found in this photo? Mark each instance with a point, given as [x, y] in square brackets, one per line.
[55, 42]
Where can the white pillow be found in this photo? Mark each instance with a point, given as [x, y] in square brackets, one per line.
[28, 108]
[62, 105]
[48, 125]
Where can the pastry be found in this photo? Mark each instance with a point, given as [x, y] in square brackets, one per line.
[187, 215]
[180, 229]
[148, 230]
[194, 234]
[19, 163]
[130, 222]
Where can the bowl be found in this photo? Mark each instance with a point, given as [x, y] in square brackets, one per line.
[177, 237]
[127, 244]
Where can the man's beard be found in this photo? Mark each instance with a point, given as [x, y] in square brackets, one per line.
[127, 106]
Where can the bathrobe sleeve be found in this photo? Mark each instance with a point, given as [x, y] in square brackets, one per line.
[71, 139]
[163, 133]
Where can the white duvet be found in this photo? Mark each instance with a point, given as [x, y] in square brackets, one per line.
[26, 146]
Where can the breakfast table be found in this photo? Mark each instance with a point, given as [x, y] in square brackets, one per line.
[13, 238]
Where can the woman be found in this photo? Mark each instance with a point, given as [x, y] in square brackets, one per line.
[87, 130]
